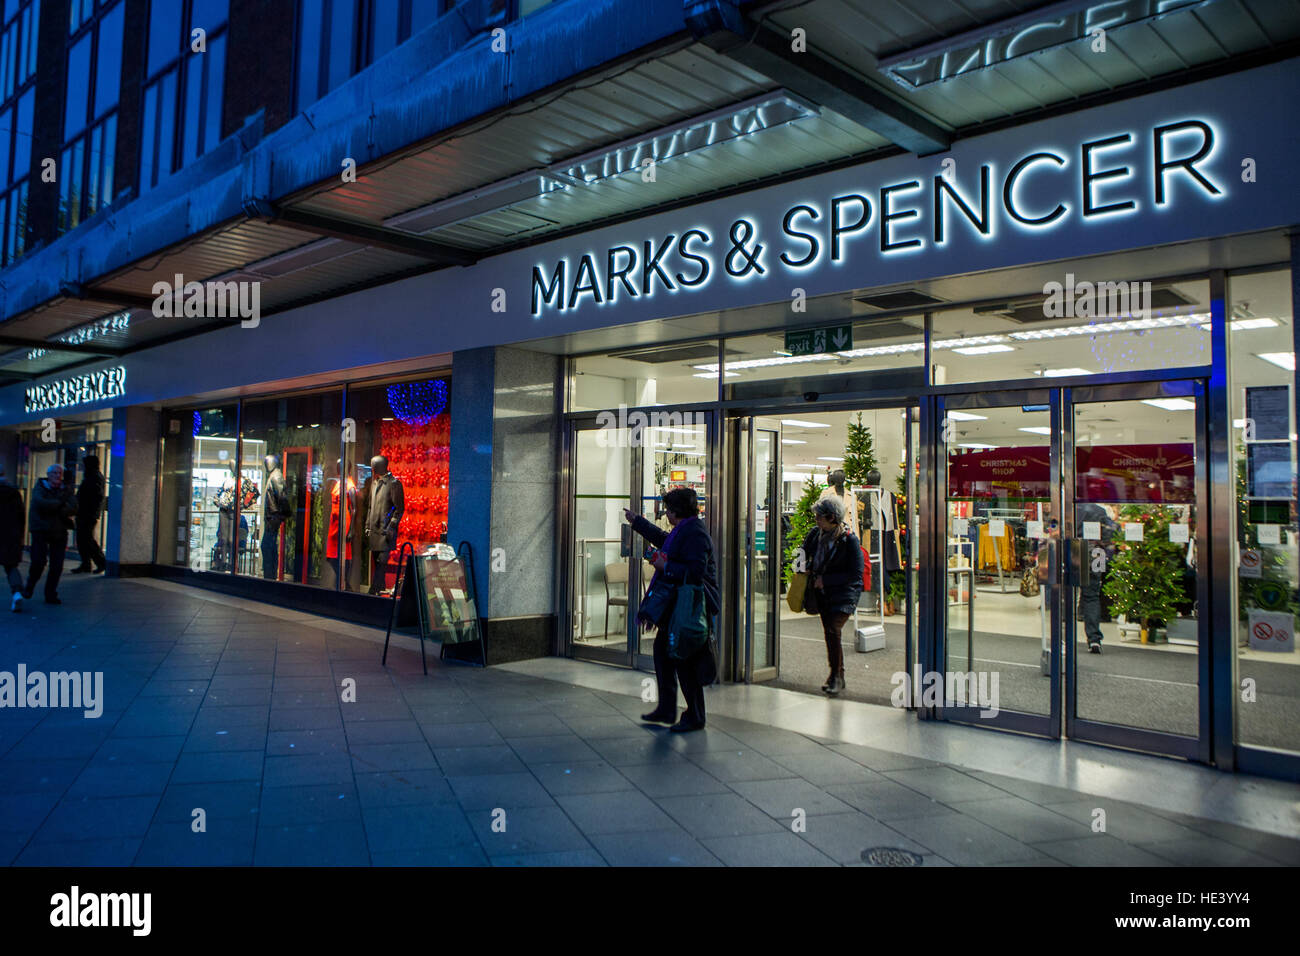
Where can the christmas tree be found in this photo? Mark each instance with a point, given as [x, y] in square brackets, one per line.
[859, 454]
[801, 522]
[1144, 579]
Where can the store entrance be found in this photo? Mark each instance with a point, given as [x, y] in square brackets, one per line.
[1074, 564]
[781, 463]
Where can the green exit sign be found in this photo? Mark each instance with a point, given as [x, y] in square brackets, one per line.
[833, 338]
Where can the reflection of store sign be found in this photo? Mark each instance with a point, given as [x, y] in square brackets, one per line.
[77, 390]
[1164, 473]
[905, 215]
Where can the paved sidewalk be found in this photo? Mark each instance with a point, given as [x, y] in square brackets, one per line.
[219, 705]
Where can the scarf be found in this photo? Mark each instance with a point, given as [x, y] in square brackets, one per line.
[826, 541]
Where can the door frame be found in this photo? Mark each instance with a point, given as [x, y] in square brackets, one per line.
[745, 480]
[1044, 725]
[1197, 748]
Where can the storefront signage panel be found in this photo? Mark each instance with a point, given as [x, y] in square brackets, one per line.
[97, 386]
[1115, 473]
[1010, 472]
[1172, 166]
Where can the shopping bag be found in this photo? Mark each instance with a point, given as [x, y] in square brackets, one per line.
[794, 594]
[688, 628]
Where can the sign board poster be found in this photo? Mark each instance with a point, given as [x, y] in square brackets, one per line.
[1268, 408]
[1268, 467]
[1271, 631]
[447, 611]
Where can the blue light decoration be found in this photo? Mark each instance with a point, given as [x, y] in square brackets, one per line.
[418, 403]
[198, 424]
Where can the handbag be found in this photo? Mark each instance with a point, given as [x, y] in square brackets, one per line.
[688, 628]
[794, 594]
[657, 601]
[1029, 582]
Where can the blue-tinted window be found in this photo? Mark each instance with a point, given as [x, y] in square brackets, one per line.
[424, 12]
[80, 11]
[6, 138]
[164, 32]
[343, 18]
[23, 134]
[385, 26]
[74, 115]
[209, 14]
[310, 19]
[108, 66]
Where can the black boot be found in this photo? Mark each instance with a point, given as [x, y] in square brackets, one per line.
[829, 680]
[658, 716]
[836, 684]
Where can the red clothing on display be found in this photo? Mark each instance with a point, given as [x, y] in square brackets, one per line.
[332, 542]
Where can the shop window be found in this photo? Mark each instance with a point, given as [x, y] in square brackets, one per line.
[86, 177]
[409, 424]
[1265, 569]
[646, 375]
[291, 451]
[184, 87]
[339, 38]
[1084, 327]
[201, 504]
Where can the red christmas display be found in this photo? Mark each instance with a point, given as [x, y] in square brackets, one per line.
[418, 455]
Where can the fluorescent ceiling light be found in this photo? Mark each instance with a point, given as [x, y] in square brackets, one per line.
[1284, 360]
[1037, 430]
[799, 423]
[974, 444]
[714, 374]
[830, 458]
[1245, 325]
[1124, 325]
[984, 349]
[677, 446]
[966, 417]
[764, 363]
[693, 432]
[968, 340]
[793, 441]
[1062, 372]
[1171, 404]
[883, 350]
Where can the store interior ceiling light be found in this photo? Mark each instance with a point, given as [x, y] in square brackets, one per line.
[800, 423]
[714, 374]
[1037, 430]
[883, 350]
[1284, 360]
[1245, 325]
[830, 458]
[984, 349]
[966, 417]
[975, 444]
[1121, 325]
[793, 441]
[766, 362]
[1062, 372]
[1171, 404]
[966, 341]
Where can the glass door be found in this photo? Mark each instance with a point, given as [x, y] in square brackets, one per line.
[759, 545]
[998, 551]
[607, 572]
[1136, 659]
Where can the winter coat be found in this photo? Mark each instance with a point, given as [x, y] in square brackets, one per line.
[841, 574]
[690, 558]
[13, 520]
[51, 510]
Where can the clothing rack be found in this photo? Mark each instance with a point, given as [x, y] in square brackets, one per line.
[872, 637]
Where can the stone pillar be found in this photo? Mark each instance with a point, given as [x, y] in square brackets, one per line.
[132, 484]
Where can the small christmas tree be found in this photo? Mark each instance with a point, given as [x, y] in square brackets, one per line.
[801, 522]
[859, 454]
[1144, 579]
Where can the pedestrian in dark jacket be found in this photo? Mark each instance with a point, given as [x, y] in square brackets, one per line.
[13, 522]
[684, 556]
[49, 519]
[90, 505]
[834, 559]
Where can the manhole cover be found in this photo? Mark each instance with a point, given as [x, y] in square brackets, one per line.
[890, 856]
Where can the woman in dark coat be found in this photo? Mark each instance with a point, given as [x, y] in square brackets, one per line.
[834, 557]
[685, 556]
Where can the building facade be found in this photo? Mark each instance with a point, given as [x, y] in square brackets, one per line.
[1025, 279]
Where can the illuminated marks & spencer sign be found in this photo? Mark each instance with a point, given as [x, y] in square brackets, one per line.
[1043, 189]
[77, 390]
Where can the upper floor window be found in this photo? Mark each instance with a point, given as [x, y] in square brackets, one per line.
[185, 77]
[19, 26]
[338, 38]
[94, 78]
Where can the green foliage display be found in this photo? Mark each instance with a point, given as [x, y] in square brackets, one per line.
[801, 522]
[859, 454]
[1144, 580]
[1275, 564]
[898, 580]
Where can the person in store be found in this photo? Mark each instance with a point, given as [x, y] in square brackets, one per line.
[13, 522]
[50, 519]
[385, 505]
[90, 505]
[835, 562]
[1090, 589]
[684, 556]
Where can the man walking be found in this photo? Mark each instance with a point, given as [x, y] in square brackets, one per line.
[90, 505]
[13, 521]
[50, 520]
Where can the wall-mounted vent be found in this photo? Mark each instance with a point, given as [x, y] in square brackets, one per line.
[906, 299]
[658, 354]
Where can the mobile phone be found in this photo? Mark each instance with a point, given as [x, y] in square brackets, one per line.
[650, 554]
